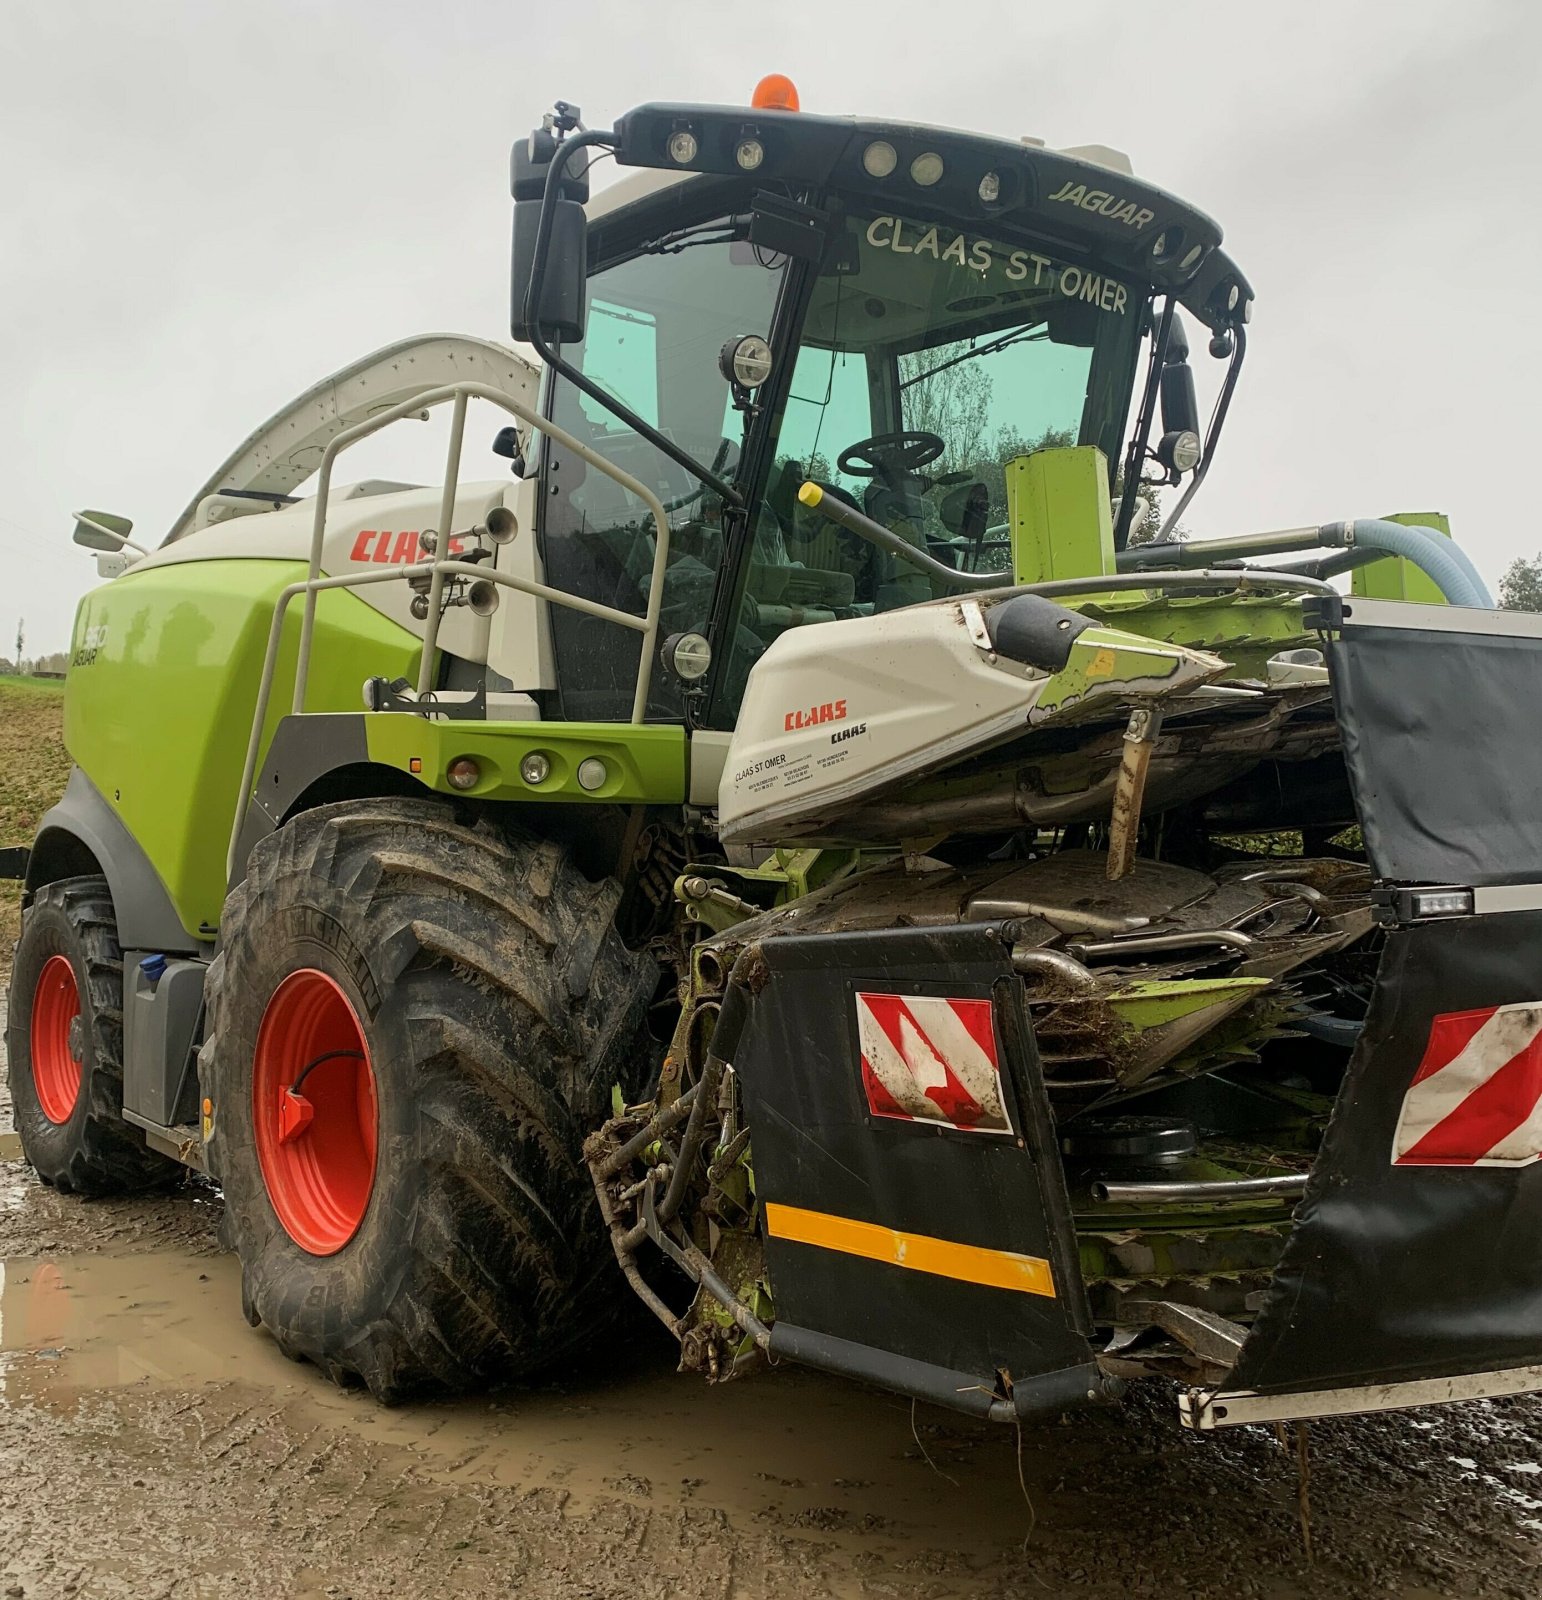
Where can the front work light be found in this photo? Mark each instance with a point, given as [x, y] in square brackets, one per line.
[1180, 451]
[746, 361]
[1441, 902]
[689, 655]
[926, 169]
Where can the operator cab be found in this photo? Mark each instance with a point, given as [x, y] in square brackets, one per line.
[920, 339]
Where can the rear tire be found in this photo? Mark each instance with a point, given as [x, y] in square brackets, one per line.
[474, 1005]
[64, 1043]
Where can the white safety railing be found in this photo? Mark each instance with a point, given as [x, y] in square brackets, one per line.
[443, 566]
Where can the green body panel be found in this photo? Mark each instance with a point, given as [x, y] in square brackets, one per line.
[785, 875]
[164, 670]
[1058, 515]
[1244, 630]
[1153, 1003]
[645, 764]
[1113, 664]
[1395, 577]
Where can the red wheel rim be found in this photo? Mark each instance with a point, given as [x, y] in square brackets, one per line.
[55, 1053]
[316, 1128]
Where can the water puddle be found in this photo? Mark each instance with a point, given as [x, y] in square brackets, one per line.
[788, 1450]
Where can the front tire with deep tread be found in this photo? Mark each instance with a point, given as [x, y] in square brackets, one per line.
[498, 1007]
[92, 1150]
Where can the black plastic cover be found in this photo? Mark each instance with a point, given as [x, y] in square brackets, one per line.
[1035, 631]
[819, 1148]
[1397, 1272]
[1417, 1247]
[1440, 740]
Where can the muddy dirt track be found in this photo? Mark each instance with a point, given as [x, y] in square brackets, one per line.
[151, 1444]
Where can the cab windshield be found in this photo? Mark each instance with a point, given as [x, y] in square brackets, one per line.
[926, 365]
[922, 359]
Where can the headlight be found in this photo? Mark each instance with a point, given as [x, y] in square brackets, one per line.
[1180, 451]
[689, 655]
[746, 361]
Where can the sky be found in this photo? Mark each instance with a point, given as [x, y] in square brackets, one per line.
[206, 207]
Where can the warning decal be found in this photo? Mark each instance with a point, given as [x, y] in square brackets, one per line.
[1476, 1100]
[926, 1058]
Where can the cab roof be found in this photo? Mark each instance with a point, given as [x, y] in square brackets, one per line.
[1084, 198]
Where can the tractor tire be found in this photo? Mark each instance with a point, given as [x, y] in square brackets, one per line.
[416, 1214]
[64, 1043]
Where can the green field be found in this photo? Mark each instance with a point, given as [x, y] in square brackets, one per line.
[33, 685]
[33, 767]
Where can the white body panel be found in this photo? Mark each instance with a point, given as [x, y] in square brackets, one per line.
[373, 525]
[519, 643]
[383, 530]
[834, 708]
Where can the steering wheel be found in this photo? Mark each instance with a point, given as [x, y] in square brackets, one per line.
[890, 455]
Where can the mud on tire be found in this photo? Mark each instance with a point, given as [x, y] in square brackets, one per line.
[66, 1008]
[497, 1006]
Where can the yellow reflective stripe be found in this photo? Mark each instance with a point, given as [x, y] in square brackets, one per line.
[969, 1263]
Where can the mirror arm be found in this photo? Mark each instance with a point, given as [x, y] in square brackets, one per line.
[1212, 435]
[617, 408]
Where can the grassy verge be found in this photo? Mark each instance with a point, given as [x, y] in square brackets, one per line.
[33, 767]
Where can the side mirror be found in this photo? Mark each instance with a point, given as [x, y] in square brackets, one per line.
[1180, 447]
[1180, 408]
[560, 313]
[101, 530]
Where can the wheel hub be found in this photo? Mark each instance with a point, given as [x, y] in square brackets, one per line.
[314, 1111]
[57, 1039]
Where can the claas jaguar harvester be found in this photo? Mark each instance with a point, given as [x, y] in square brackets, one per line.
[806, 847]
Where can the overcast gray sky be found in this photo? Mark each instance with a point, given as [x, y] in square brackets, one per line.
[205, 207]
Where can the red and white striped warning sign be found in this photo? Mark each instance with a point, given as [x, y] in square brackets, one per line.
[1476, 1100]
[926, 1058]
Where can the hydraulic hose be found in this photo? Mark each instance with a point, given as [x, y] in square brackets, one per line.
[1438, 557]
[1441, 560]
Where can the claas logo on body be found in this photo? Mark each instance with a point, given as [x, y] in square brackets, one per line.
[388, 548]
[828, 711]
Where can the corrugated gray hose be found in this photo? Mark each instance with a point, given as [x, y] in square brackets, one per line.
[1439, 558]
